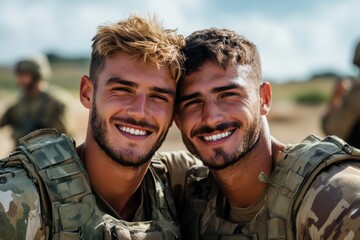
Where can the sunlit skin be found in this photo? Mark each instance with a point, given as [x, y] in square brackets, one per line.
[222, 117]
[127, 88]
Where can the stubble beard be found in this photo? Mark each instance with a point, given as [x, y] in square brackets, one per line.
[122, 157]
[222, 159]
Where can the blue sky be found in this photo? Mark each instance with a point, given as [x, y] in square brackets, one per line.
[295, 38]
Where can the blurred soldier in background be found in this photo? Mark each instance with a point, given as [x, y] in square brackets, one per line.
[343, 115]
[36, 108]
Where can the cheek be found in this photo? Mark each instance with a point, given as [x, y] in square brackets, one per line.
[107, 107]
[163, 113]
[186, 123]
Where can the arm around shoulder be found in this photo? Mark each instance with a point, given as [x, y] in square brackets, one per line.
[20, 213]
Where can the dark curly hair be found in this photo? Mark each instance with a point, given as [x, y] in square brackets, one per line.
[223, 47]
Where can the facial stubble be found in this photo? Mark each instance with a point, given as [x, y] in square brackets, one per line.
[222, 159]
[122, 157]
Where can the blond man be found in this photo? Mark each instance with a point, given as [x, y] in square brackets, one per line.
[108, 187]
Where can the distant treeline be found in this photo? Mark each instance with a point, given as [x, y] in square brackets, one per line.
[59, 59]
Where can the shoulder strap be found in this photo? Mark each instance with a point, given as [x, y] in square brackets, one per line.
[52, 161]
[294, 175]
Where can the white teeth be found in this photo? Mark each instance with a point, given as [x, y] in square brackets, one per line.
[133, 131]
[217, 137]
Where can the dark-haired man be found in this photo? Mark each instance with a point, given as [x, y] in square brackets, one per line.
[257, 187]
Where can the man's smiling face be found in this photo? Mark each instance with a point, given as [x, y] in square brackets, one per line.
[132, 109]
[218, 113]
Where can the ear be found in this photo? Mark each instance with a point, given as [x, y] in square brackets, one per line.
[86, 92]
[265, 98]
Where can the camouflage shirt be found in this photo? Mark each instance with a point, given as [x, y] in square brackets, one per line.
[344, 120]
[20, 203]
[29, 114]
[330, 208]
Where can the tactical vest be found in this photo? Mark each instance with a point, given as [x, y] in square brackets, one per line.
[68, 206]
[287, 186]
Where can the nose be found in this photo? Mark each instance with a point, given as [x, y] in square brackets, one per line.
[212, 114]
[138, 109]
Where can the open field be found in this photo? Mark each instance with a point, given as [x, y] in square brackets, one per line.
[290, 122]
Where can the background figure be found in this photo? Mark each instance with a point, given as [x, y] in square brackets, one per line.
[343, 115]
[36, 108]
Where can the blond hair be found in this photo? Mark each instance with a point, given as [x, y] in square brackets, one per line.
[140, 38]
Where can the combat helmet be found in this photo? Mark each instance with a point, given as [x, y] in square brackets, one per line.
[38, 66]
[356, 59]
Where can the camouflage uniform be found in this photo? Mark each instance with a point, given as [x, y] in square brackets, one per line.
[40, 111]
[29, 114]
[313, 193]
[45, 194]
[344, 120]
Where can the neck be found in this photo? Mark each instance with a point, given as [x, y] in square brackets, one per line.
[117, 184]
[240, 182]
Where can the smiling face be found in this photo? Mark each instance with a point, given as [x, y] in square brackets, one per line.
[131, 108]
[219, 113]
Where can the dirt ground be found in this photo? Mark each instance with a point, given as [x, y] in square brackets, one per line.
[288, 122]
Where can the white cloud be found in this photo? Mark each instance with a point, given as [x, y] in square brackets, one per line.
[300, 44]
[294, 44]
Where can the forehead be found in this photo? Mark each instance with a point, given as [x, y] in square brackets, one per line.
[211, 75]
[126, 67]
[23, 74]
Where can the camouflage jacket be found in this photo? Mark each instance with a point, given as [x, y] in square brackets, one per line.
[313, 193]
[344, 120]
[29, 114]
[45, 194]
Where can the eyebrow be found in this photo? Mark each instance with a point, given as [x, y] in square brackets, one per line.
[224, 88]
[214, 90]
[164, 90]
[116, 80]
[188, 97]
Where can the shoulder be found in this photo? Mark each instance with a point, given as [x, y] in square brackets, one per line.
[178, 165]
[177, 162]
[330, 208]
[20, 212]
[51, 99]
[178, 159]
